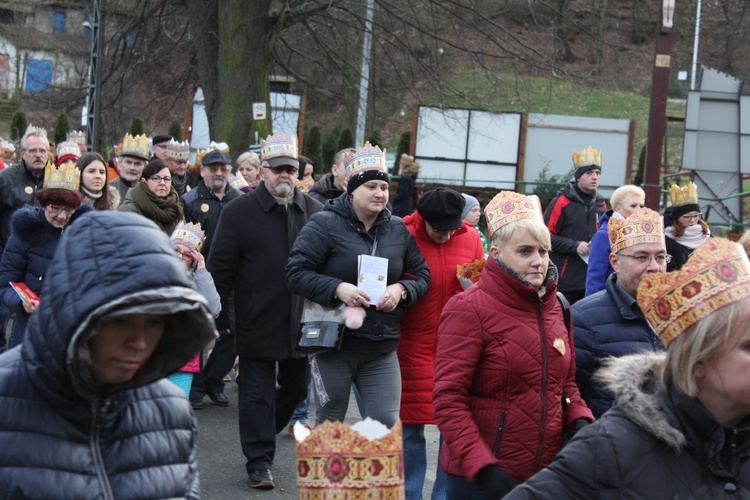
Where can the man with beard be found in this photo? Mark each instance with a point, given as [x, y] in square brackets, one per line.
[248, 260]
[19, 183]
[178, 154]
[203, 206]
[132, 162]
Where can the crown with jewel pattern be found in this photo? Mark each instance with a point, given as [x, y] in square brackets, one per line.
[77, 136]
[135, 146]
[178, 150]
[715, 275]
[368, 157]
[642, 226]
[189, 235]
[275, 149]
[684, 195]
[509, 206]
[66, 176]
[68, 148]
[587, 157]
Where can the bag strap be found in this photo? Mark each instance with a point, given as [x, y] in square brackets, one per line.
[566, 312]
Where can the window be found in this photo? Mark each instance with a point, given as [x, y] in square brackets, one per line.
[59, 21]
[38, 75]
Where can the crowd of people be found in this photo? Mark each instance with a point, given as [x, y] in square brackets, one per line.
[594, 351]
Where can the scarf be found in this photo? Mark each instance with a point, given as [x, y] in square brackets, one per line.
[92, 195]
[692, 238]
[164, 211]
[179, 183]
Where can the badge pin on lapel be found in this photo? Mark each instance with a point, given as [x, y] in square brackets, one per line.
[559, 345]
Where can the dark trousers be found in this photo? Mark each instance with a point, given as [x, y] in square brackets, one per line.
[265, 410]
[219, 363]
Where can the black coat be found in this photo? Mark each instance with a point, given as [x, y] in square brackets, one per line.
[247, 260]
[18, 188]
[325, 255]
[61, 436]
[202, 206]
[325, 190]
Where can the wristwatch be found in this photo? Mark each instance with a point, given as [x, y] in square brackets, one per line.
[403, 291]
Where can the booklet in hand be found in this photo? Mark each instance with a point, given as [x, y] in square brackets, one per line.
[23, 291]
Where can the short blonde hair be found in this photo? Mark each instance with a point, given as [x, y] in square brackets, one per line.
[703, 340]
[622, 192]
[249, 157]
[535, 227]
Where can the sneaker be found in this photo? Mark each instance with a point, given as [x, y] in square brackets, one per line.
[261, 479]
[304, 424]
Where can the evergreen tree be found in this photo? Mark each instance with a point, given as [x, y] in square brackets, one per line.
[136, 127]
[404, 145]
[346, 139]
[314, 150]
[330, 140]
[102, 146]
[175, 130]
[62, 127]
[375, 139]
[638, 178]
[18, 125]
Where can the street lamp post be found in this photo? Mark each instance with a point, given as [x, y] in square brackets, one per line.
[94, 78]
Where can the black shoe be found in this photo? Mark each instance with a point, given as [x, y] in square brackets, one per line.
[218, 398]
[261, 479]
[197, 405]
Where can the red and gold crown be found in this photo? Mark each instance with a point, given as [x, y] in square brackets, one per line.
[642, 226]
[335, 461]
[68, 148]
[178, 150]
[189, 235]
[279, 146]
[587, 157]
[135, 146]
[77, 136]
[716, 275]
[684, 195]
[509, 206]
[66, 176]
[367, 157]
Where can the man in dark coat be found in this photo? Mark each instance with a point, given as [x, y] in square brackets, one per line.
[203, 206]
[609, 323]
[87, 412]
[333, 184]
[133, 160]
[247, 260]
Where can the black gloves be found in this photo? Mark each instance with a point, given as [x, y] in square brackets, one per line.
[495, 482]
[578, 424]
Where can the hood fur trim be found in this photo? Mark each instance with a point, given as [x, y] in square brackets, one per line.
[408, 166]
[634, 380]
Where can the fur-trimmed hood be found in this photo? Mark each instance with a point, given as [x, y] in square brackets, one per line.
[408, 167]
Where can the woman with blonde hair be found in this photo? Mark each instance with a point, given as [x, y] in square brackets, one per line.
[248, 166]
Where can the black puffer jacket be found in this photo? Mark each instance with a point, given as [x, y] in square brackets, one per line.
[325, 190]
[325, 254]
[17, 189]
[651, 444]
[60, 436]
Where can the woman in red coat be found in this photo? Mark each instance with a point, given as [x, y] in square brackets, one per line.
[505, 364]
[446, 242]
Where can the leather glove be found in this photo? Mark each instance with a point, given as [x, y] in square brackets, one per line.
[495, 482]
[578, 424]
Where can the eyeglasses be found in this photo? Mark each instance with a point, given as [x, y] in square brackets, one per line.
[160, 146]
[645, 259]
[159, 180]
[215, 168]
[693, 216]
[58, 210]
[285, 168]
[184, 255]
[37, 151]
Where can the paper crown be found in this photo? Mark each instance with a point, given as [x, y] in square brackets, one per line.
[587, 157]
[278, 146]
[684, 195]
[178, 150]
[238, 182]
[716, 275]
[66, 176]
[642, 226]
[77, 136]
[367, 157]
[135, 146]
[509, 206]
[336, 462]
[68, 148]
[221, 146]
[189, 235]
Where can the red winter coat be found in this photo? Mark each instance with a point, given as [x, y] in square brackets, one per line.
[498, 388]
[419, 324]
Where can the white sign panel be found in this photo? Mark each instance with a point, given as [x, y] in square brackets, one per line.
[259, 111]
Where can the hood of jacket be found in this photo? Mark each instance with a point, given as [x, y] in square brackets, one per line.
[110, 264]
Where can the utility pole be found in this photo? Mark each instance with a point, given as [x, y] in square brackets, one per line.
[364, 77]
[95, 74]
[658, 112]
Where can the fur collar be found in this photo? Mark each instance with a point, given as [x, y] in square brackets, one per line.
[31, 226]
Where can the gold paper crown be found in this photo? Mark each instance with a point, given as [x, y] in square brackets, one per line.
[642, 226]
[178, 150]
[190, 235]
[221, 146]
[238, 182]
[68, 148]
[199, 156]
[367, 157]
[687, 195]
[135, 146]
[509, 206]
[77, 136]
[716, 275]
[335, 461]
[278, 146]
[587, 157]
[66, 176]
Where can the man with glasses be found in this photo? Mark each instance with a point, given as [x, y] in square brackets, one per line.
[159, 146]
[19, 183]
[609, 322]
[203, 206]
[248, 260]
[132, 161]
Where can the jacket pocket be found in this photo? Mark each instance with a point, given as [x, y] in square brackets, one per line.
[500, 429]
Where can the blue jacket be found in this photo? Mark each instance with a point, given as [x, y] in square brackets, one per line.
[608, 323]
[60, 435]
[599, 267]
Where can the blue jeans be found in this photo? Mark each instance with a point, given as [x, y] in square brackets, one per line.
[415, 460]
[301, 413]
[439, 489]
[459, 488]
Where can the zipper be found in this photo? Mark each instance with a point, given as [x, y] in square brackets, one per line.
[99, 411]
[544, 388]
[500, 428]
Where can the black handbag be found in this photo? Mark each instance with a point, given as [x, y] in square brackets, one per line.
[321, 329]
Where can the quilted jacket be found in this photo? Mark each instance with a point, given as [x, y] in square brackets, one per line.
[504, 359]
[60, 435]
[419, 324]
